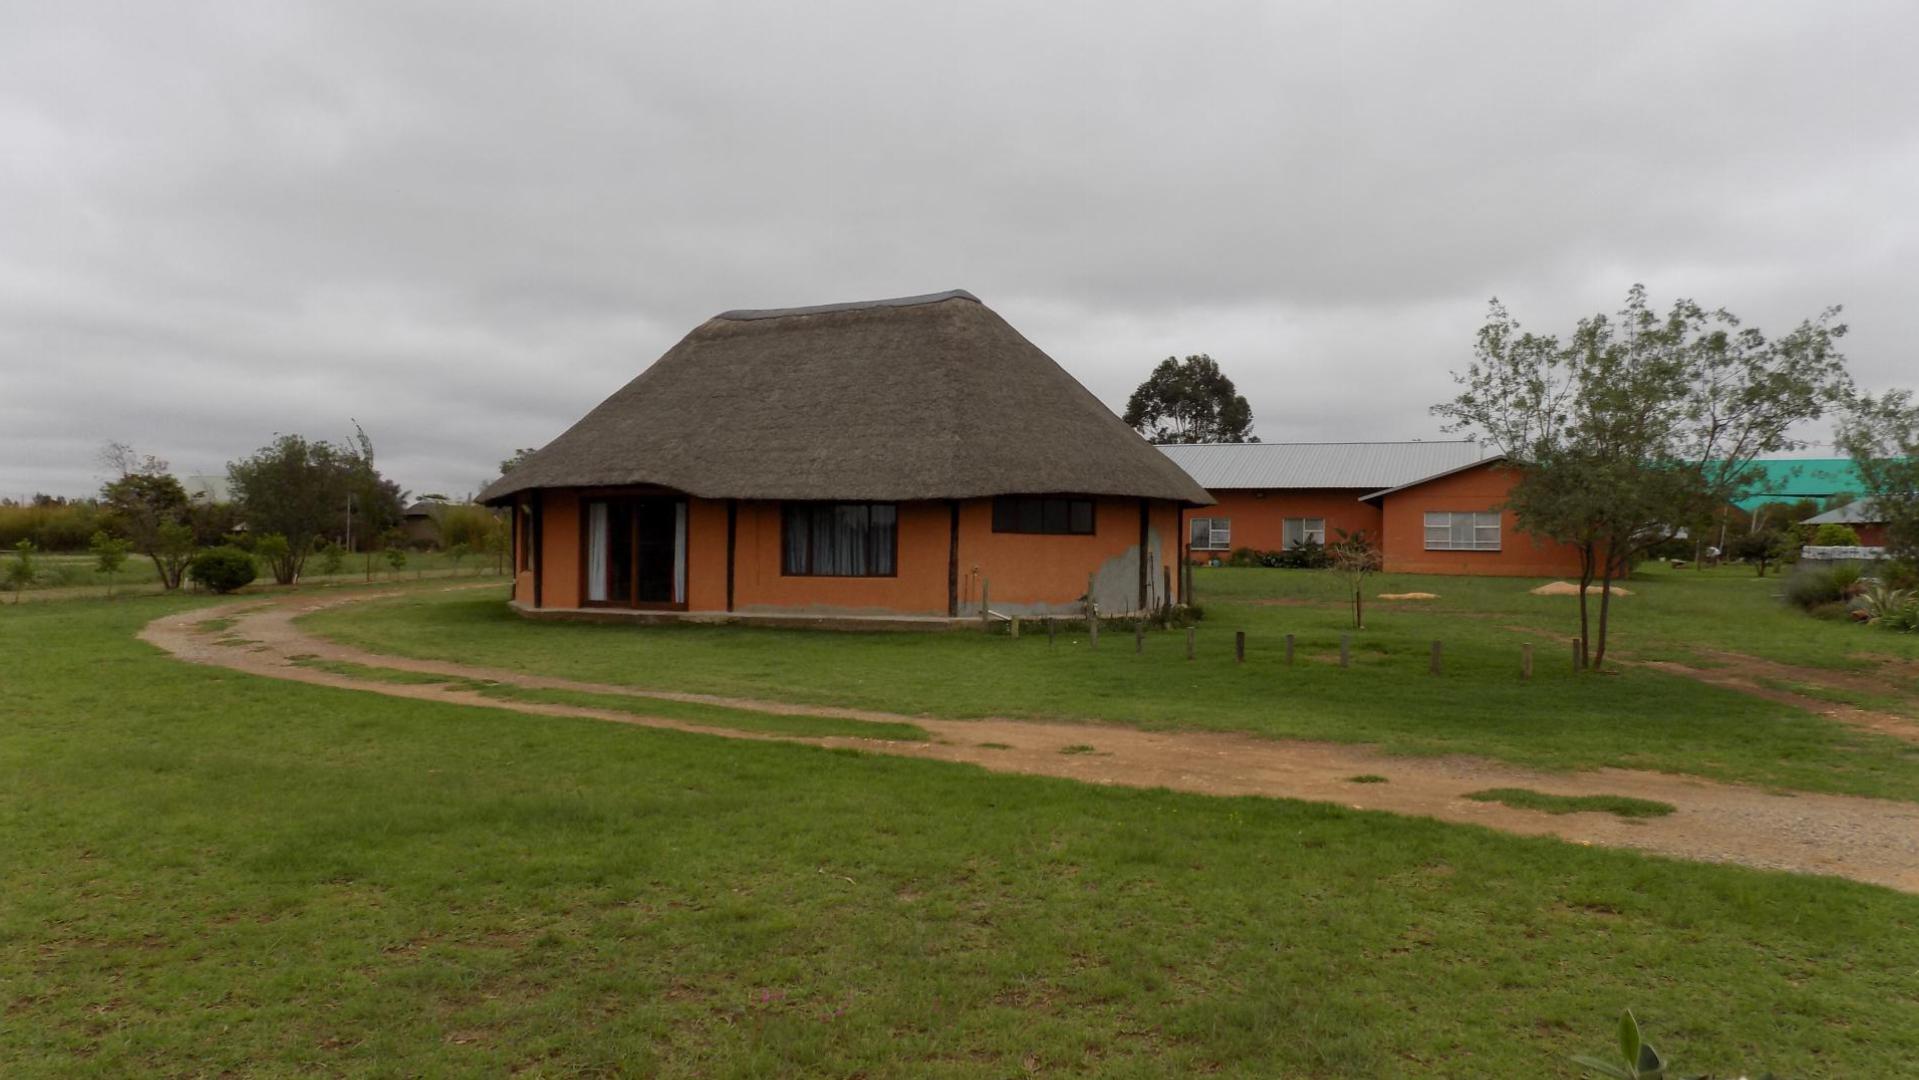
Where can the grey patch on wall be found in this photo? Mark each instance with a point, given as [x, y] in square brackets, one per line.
[1115, 587]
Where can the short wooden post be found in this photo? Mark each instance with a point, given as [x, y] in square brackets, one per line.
[1092, 628]
[1239, 646]
[1165, 593]
[1190, 635]
[985, 618]
[1049, 630]
[1345, 650]
[1289, 650]
[1012, 628]
[1139, 635]
[1526, 661]
[1578, 654]
[1437, 647]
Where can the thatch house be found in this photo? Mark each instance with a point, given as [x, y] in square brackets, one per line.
[903, 460]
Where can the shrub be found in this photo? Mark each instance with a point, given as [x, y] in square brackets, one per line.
[1812, 588]
[1845, 577]
[222, 569]
[1834, 534]
[1831, 611]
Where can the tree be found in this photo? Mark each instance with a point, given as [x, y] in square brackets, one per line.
[1354, 556]
[1623, 432]
[172, 551]
[278, 554]
[1881, 435]
[20, 572]
[1763, 547]
[517, 459]
[1190, 401]
[109, 555]
[142, 506]
[303, 490]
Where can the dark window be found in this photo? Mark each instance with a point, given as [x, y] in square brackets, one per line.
[1042, 514]
[839, 539]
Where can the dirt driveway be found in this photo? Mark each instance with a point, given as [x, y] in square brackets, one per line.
[1869, 840]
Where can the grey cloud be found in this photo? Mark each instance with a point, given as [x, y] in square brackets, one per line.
[466, 223]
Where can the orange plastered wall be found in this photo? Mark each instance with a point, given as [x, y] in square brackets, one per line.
[705, 554]
[1479, 489]
[918, 587]
[1259, 517]
[1031, 571]
[559, 549]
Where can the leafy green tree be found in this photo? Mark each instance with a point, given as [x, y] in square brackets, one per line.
[456, 554]
[1625, 430]
[1190, 401]
[141, 506]
[20, 572]
[172, 550]
[517, 459]
[303, 490]
[109, 556]
[1881, 435]
[1354, 555]
[1763, 547]
[277, 553]
[332, 557]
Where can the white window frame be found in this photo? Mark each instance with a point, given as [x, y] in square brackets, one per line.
[1218, 531]
[1482, 527]
[1312, 530]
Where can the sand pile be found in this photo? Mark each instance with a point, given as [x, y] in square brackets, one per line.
[1408, 596]
[1567, 588]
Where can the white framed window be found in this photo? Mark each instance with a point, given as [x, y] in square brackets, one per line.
[1462, 530]
[1212, 534]
[1305, 531]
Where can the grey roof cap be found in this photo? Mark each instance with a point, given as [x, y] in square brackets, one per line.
[749, 314]
[1856, 512]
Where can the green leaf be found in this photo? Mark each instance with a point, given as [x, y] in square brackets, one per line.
[1649, 1061]
[1628, 1038]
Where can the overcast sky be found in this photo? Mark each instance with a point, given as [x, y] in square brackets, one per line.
[466, 223]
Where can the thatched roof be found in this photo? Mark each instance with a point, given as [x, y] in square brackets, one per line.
[923, 397]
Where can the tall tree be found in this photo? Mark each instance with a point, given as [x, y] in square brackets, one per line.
[302, 490]
[1624, 430]
[148, 507]
[1881, 435]
[1190, 401]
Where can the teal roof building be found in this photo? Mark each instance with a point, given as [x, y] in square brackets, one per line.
[1792, 479]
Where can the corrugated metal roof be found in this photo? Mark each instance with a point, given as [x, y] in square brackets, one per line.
[1359, 465]
[1856, 512]
[1792, 479]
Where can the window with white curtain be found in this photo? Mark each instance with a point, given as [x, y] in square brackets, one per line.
[839, 539]
[1212, 534]
[1462, 530]
[596, 551]
[1305, 531]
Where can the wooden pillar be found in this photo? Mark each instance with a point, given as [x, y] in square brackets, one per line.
[732, 545]
[536, 549]
[952, 561]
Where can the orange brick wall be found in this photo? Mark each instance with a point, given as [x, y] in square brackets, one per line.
[1023, 573]
[1259, 517]
[1403, 521]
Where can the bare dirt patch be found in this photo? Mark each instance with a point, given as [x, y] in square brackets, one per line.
[1868, 840]
[1567, 588]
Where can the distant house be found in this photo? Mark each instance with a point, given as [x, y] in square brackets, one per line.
[1430, 507]
[1864, 517]
[914, 459]
[1274, 496]
[421, 523]
[1788, 480]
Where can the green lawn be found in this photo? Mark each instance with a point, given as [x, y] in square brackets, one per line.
[1636, 718]
[208, 872]
[68, 575]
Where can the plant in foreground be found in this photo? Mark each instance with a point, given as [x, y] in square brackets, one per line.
[1637, 1060]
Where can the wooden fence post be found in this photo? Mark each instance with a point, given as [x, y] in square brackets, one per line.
[1013, 629]
[1526, 661]
[1190, 635]
[1092, 628]
[1289, 650]
[985, 620]
[1049, 630]
[1578, 654]
[1239, 646]
[1139, 634]
[1345, 650]
[1436, 657]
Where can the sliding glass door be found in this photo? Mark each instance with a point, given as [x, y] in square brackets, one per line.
[635, 553]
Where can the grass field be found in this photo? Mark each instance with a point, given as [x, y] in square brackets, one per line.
[74, 576]
[208, 872]
[1635, 718]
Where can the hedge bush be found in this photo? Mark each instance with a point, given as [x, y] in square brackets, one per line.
[1834, 534]
[222, 569]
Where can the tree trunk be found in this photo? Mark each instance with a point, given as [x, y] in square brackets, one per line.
[1585, 581]
[1605, 608]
